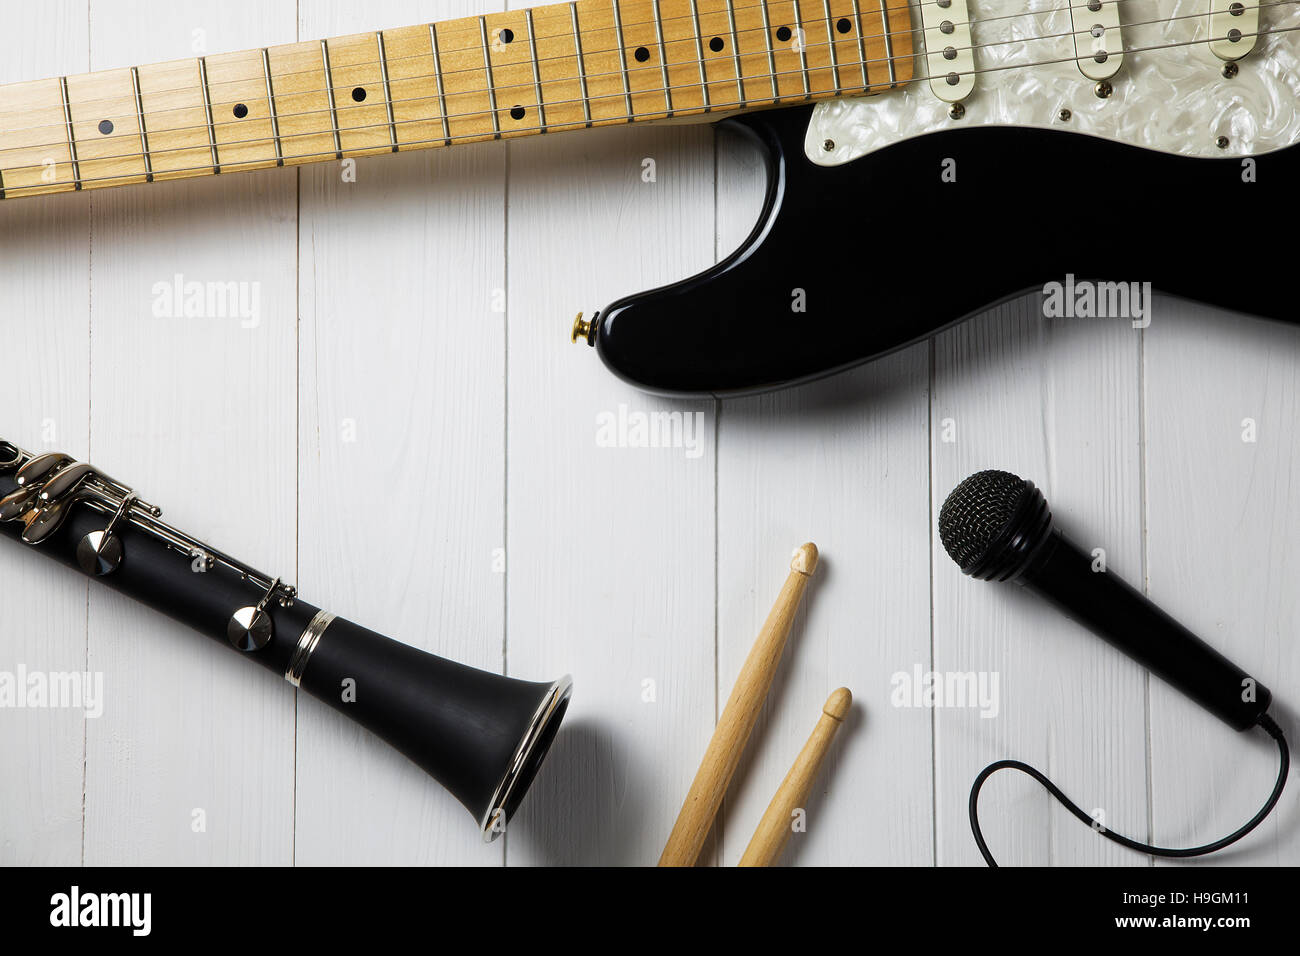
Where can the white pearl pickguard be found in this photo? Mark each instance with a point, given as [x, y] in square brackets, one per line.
[1172, 100]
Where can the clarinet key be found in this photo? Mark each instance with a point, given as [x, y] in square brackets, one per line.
[249, 629]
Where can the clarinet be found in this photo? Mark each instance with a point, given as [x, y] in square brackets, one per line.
[481, 735]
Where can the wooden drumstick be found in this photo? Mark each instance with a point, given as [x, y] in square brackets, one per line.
[774, 829]
[738, 717]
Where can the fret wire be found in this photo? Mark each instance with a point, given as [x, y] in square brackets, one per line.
[139, 118]
[470, 137]
[468, 113]
[735, 53]
[889, 43]
[830, 36]
[437, 80]
[207, 112]
[684, 40]
[771, 58]
[886, 6]
[582, 69]
[862, 46]
[424, 142]
[699, 56]
[751, 6]
[329, 91]
[388, 92]
[487, 67]
[2, 184]
[270, 102]
[663, 56]
[72, 144]
[802, 36]
[537, 76]
[622, 59]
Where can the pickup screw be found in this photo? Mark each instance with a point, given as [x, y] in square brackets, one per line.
[956, 110]
[828, 144]
[583, 330]
[1221, 142]
[1103, 89]
[1230, 69]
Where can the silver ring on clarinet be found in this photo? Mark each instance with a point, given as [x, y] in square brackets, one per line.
[306, 646]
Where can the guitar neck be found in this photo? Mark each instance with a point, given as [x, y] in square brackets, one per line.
[559, 67]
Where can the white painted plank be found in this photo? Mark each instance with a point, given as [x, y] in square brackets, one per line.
[844, 463]
[611, 549]
[1223, 542]
[403, 456]
[1054, 401]
[197, 412]
[44, 288]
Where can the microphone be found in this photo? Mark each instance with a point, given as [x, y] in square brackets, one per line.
[998, 527]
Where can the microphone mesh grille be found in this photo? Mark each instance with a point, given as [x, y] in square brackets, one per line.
[976, 511]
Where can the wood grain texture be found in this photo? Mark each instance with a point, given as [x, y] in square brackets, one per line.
[746, 700]
[610, 542]
[791, 799]
[1054, 401]
[402, 466]
[44, 284]
[845, 463]
[1222, 530]
[487, 76]
[193, 402]
[408, 435]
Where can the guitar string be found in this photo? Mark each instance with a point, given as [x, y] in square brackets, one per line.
[526, 129]
[475, 51]
[323, 155]
[845, 38]
[529, 85]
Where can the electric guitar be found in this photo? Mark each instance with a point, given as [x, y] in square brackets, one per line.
[925, 159]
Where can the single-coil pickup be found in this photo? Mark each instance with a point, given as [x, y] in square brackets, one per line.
[948, 52]
[1234, 25]
[1098, 44]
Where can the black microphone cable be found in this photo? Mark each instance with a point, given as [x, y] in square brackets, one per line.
[1265, 721]
[998, 527]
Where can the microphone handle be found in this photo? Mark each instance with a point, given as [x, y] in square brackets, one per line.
[1062, 573]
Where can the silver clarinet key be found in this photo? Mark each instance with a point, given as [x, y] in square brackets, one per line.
[100, 552]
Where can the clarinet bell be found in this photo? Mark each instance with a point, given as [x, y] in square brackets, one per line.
[481, 735]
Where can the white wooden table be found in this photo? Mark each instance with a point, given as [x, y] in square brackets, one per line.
[407, 434]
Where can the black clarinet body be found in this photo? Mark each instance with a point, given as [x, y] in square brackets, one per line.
[481, 735]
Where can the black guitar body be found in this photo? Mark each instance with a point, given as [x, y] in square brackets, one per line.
[886, 252]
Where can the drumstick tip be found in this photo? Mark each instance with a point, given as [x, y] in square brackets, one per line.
[804, 559]
[837, 705]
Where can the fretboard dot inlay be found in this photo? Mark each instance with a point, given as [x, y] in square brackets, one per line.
[507, 35]
[844, 26]
[641, 54]
[783, 34]
[106, 126]
[716, 44]
[517, 112]
[359, 94]
[240, 111]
